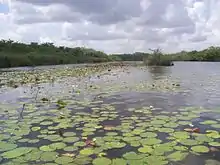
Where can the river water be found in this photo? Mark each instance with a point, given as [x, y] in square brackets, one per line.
[198, 85]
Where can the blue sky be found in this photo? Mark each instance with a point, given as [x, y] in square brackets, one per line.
[4, 8]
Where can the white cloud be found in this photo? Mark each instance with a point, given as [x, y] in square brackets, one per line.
[116, 25]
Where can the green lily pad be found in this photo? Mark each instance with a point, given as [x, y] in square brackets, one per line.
[6, 146]
[48, 156]
[47, 148]
[216, 144]
[58, 146]
[70, 139]
[177, 156]
[166, 130]
[118, 161]
[132, 156]
[209, 122]
[16, 152]
[200, 149]
[67, 134]
[148, 134]
[180, 135]
[215, 125]
[101, 161]
[150, 141]
[87, 151]
[70, 148]
[180, 148]
[145, 149]
[171, 125]
[189, 142]
[64, 160]
[46, 123]
[79, 144]
[155, 159]
[35, 128]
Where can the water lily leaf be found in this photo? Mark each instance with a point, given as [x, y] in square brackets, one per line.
[81, 159]
[137, 131]
[177, 156]
[180, 148]
[135, 143]
[155, 160]
[145, 149]
[200, 149]
[158, 122]
[189, 142]
[48, 156]
[57, 146]
[46, 123]
[87, 151]
[148, 134]
[150, 141]
[133, 156]
[215, 125]
[67, 134]
[180, 135]
[216, 144]
[64, 160]
[209, 122]
[166, 130]
[79, 144]
[70, 148]
[4, 146]
[35, 128]
[16, 152]
[213, 134]
[171, 125]
[47, 148]
[101, 161]
[118, 161]
[70, 139]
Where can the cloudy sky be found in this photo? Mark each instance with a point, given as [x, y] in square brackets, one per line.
[113, 26]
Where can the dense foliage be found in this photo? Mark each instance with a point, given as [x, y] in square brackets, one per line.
[209, 54]
[14, 54]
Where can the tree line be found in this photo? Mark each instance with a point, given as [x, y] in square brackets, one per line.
[15, 54]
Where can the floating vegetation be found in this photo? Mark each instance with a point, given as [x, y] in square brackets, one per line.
[90, 123]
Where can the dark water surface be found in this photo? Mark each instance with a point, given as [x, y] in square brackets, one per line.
[198, 85]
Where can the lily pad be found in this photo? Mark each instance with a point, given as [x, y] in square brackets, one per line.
[189, 142]
[48, 156]
[64, 160]
[200, 149]
[132, 156]
[177, 156]
[209, 122]
[16, 152]
[145, 149]
[6, 146]
[150, 141]
[87, 151]
[67, 134]
[101, 161]
[216, 144]
[118, 161]
[70, 139]
[180, 135]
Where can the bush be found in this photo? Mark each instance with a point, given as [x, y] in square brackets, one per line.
[158, 59]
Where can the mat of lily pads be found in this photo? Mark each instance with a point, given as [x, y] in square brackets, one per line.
[96, 124]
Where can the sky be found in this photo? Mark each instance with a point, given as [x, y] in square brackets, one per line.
[114, 26]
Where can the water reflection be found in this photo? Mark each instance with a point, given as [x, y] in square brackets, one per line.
[158, 72]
